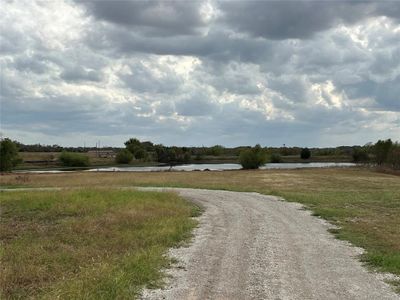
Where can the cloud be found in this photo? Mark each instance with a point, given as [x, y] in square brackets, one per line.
[198, 105]
[153, 78]
[299, 19]
[193, 73]
[78, 73]
[158, 18]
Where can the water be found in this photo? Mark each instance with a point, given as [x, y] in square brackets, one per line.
[187, 167]
[222, 167]
[204, 167]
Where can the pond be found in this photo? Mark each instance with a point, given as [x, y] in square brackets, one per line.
[199, 167]
[222, 167]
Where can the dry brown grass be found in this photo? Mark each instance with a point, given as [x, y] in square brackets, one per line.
[282, 180]
[364, 203]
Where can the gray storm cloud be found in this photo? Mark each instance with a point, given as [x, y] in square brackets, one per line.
[193, 73]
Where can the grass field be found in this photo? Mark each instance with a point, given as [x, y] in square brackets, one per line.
[365, 204]
[87, 243]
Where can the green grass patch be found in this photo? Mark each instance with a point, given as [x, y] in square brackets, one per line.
[88, 244]
[365, 205]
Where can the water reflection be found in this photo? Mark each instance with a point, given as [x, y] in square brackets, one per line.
[201, 167]
[221, 167]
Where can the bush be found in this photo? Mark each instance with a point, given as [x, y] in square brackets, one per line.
[71, 159]
[305, 153]
[124, 157]
[252, 158]
[360, 155]
[276, 158]
[8, 155]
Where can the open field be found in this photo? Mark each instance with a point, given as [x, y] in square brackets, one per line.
[88, 244]
[365, 204]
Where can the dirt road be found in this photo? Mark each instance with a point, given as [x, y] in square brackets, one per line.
[250, 246]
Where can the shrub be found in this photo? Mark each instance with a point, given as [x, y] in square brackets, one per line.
[71, 159]
[252, 158]
[124, 157]
[8, 155]
[360, 155]
[305, 153]
[276, 158]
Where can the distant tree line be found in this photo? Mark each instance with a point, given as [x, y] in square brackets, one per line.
[197, 152]
[385, 153]
[56, 148]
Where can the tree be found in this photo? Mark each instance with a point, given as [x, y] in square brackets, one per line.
[137, 148]
[124, 156]
[141, 154]
[382, 149]
[161, 153]
[305, 153]
[172, 155]
[133, 145]
[252, 158]
[360, 154]
[8, 155]
[394, 157]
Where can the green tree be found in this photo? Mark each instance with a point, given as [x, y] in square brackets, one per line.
[141, 154]
[305, 153]
[124, 156]
[252, 158]
[360, 154]
[172, 155]
[8, 155]
[382, 149]
[137, 148]
[133, 145]
[394, 156]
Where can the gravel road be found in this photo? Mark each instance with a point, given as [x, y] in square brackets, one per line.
[251, 246]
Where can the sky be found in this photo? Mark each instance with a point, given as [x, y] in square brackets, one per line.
[192, 73]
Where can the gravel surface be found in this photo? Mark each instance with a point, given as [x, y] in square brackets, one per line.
[251, 246]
